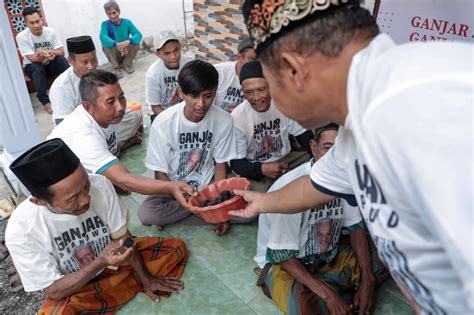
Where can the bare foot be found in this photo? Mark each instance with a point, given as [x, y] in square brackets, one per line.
[160, 227]
[221, 228]
[118, 72]
[48, 109]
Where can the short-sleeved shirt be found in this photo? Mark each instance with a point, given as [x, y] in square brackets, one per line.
[95, 146]
[185, 150]
[312, 232]
[405, 154]
[64, 94]
[45, 245]
[263, 137]
[161, 83]
[29, 43]
[229, 91]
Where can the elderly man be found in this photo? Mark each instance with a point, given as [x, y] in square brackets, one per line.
[263, 133]
[65, 95]
[69, 211]
[326, 61]
[120, 39]
[229, 92]
[161, 79]
[90, 132]
[43, 53]
[311, 267]
[189, 142]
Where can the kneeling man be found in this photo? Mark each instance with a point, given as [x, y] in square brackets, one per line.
[70, 239]
[309, 267]
[263, 133]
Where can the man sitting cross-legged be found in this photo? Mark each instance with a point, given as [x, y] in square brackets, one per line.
[309, 266]
[189, 142]
[90, 133]
[65, 95]
[262, 133]
[161, 79]
[70, 239]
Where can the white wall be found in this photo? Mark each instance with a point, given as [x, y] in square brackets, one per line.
[84, 17]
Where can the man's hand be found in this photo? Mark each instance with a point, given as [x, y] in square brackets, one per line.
[336, 305]
[364, 297]
[178, 191]
[157, 286]
[113, 255]
[274, 169]
[253, 207]
[123, 47]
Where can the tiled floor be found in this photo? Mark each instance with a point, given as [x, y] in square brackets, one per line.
[219, 277]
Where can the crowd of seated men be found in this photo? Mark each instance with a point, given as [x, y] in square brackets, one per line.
[209, 123]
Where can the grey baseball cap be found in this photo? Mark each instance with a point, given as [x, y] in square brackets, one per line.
[161, 39]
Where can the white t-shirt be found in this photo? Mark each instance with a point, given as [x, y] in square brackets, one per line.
[186, 151]
[64, 94]
[29, 43]
[405, 152]
[263, 137]
[161, 83]
[94, 145]
[312, 232]
[45, 246]
[229, 92]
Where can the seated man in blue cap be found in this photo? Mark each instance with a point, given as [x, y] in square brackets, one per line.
[65, 96]
[69, 211]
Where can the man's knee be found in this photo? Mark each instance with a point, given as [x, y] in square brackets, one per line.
[35, 68]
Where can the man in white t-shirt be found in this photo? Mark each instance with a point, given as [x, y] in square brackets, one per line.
[65, 95]
[69, 235]
[308, 265]
[90, 132]
[42, 52]
[263, 132]
[189, 142]
[229, 92]
[161, 79]
[404, 149]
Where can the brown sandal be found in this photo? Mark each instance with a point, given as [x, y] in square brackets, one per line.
[3, 251]
[14, 280]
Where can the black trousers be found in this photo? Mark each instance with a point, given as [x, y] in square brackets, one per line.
[38, 73]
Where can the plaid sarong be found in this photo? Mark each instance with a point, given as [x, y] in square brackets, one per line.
[112, 289]
[342, 275]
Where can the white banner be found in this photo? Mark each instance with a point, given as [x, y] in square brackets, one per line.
[426, 20]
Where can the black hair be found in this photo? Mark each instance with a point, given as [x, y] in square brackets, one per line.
[326, 32]
[319, 131]
[91, 81]
[29, 11]
[42, 193]
[198, 76]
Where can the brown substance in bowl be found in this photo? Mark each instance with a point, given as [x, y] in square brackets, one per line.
[218, 213]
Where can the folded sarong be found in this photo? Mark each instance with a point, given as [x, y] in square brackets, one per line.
[112, 289]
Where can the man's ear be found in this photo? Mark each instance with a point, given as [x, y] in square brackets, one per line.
[294, 69]
[37, 201]
[180, 92]
[314, 147]
[87, 105]
[70, 61]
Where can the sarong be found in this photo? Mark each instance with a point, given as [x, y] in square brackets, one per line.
[342, 275]
[112, 289]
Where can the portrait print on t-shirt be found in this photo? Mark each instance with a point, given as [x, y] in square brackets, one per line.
[80, 245]
[194, 150]
[323, 226]
[233, 97]
[268, 140]
[171, 91]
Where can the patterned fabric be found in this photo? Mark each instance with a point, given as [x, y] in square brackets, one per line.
[266, 18]
[109, 291]
[342, 275]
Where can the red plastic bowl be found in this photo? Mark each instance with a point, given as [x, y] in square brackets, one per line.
[218, 213]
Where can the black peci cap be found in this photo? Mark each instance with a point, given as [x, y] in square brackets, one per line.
[252, 69]
[45, 164]
[80, 44]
